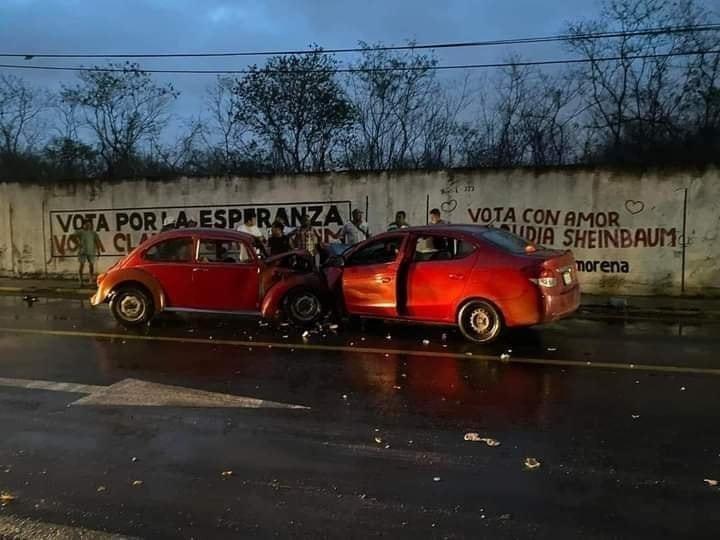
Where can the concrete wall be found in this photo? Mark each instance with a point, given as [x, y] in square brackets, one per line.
[625, 228]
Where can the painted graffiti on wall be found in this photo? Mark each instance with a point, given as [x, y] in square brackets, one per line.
[574, 230]
[578, 230]
[122, 230]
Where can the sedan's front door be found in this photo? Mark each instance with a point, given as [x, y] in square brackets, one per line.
[370, 277]
[225, 277]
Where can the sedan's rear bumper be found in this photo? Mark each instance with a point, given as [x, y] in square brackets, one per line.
[557, 306]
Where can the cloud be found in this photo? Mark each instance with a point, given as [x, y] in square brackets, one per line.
[223, 25]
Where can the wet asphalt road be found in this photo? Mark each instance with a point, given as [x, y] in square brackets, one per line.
[622, 417]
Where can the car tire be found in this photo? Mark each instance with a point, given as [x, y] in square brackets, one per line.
[303, 307]
[480, 321]
[132, 306]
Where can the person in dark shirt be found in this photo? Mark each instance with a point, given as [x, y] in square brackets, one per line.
[400, 221]
[278, 242]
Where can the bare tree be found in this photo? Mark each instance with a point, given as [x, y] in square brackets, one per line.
[495, 138]
[405, 116]
[701, 109]
[634, 102]
[395, 94]
[549, 119]
[227, 137]
[441, 124]
[66, 153]
[21, 107]
[67, 122]
[182, 155]
[123, 109]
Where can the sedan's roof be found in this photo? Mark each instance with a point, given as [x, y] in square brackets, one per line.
[445, 227]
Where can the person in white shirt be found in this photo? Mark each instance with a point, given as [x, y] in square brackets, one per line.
[286, 229]
[169, 223]
[250, 227]
[354, 231]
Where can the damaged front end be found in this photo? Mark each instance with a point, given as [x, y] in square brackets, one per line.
[283, 276]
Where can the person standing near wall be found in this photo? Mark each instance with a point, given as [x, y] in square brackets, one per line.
[306, 237]
[400, 221]
[286, 229]
[168, 224]
[278, 242]
[435, 218]
[250, 227]
[355, 230]
[89, 245]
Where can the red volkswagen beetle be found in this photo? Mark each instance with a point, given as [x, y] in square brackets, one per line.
[210, 271]
[479, 278]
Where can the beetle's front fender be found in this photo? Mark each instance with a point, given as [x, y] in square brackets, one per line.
[274, 298]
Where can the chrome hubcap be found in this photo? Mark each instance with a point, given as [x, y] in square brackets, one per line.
[480, 321]
[306, 307]
[131, 307]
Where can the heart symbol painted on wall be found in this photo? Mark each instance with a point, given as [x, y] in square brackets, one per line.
[634, 207]
[449, 206]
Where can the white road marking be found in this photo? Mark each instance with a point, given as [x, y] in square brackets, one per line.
[147, 394]
[51, 385]
[28, 529]
[136, 393]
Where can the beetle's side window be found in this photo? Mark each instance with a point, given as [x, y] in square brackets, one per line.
[174, 250]
[377, 252]
[223, 251]
[441, 248]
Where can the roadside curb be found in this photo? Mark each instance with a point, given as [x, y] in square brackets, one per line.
[65, 291]
[668, 316]
[665, 312]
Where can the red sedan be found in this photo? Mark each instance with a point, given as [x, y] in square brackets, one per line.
[479, 278]
[210, 271]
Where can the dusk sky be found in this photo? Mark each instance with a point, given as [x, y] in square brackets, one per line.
[100, 26]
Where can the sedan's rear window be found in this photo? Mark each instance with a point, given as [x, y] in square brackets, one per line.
[506, 240]
[436, 247]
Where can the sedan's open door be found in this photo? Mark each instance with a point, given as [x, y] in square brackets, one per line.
[370, 277]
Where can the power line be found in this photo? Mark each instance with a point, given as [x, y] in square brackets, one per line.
[464, 44]
[368, 70]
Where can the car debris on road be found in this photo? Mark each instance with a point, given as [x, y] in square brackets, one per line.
[475, 437]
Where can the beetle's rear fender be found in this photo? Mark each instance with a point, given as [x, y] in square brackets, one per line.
[112, 281]
[272, 302]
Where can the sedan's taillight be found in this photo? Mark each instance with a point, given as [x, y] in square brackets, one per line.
[546, 279]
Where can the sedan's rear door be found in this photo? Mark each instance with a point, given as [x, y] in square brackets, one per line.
[437, 275]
